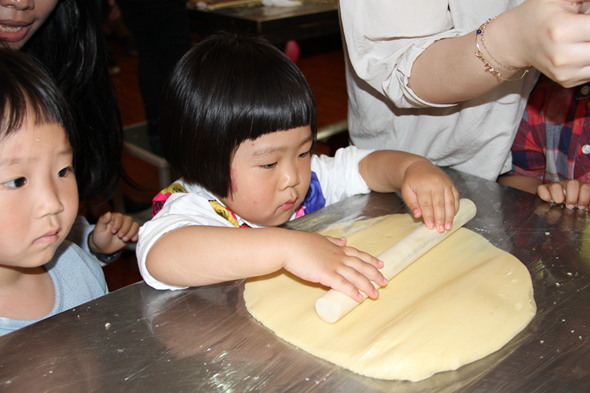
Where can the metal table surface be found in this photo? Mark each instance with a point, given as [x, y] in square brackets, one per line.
[313, 18]
[203, 339]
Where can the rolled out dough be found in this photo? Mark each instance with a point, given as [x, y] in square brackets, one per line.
[458, 303]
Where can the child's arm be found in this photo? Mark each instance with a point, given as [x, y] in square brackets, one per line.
[112, 232]
[428, 191]
[521, 182]
[201, 255]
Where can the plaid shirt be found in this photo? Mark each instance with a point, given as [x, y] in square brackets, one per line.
[553, 140]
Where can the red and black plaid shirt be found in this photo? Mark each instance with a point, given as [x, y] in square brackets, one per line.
[553, 140]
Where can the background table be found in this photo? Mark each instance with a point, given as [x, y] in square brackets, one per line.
[313, 18]
[138, 339]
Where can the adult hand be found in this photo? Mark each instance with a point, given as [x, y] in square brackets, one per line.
[551, 35]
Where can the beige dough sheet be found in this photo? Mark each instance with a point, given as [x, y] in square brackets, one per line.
[458, 303]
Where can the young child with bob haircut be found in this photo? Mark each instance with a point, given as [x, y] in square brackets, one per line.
[238, 123]
[41, 273]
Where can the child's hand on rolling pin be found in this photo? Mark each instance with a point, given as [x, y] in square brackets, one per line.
[430, 194]
[328, 261]
[112, 232]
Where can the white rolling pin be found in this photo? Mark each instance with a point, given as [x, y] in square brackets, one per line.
[333, 305]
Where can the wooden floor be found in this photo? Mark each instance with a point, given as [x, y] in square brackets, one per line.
[322, 63]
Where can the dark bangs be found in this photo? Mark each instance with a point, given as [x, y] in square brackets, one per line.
[27, 90]
[269, 94]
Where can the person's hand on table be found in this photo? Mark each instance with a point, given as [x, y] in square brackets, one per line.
[572, 193]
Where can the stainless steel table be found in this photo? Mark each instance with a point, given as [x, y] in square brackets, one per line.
[203, 340]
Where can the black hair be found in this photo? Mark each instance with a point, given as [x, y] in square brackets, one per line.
[27, 89]
[225, 90]
[71, 46]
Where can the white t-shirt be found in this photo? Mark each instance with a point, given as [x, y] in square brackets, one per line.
[338, 176]
[383, 38]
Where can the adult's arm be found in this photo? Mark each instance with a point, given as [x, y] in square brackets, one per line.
[422, 53]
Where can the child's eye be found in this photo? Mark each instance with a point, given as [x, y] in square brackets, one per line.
[64, 172]
[303, 155]
[269, 165]
[16, 183]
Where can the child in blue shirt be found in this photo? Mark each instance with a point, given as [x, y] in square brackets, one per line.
[41, 273]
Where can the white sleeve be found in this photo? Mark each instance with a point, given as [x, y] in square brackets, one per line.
[339, 176]
[180, 210]
[384, 37]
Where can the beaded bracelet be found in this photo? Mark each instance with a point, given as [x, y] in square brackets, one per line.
[490, 68]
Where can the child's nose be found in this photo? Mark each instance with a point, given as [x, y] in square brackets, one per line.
[291, 176]
[49, 201]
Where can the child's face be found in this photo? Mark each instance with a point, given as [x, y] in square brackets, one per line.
[20, 19]
[270, 176]
[38, 194]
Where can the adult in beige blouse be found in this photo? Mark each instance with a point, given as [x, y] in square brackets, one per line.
[422, 79]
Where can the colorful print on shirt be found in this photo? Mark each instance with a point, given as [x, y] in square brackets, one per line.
[314, 200]
[227, 214]
[160, 199]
